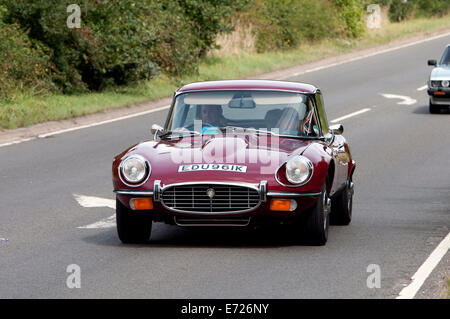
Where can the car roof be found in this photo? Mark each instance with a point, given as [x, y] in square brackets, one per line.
[248, 85]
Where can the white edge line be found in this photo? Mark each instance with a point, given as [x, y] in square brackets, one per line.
[366, 55]
[425, 270]
[104, 122]
[85, 126]
[350, 115]
[18, 141]
[422, 88]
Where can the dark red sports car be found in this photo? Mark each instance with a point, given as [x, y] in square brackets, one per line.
[238, 153]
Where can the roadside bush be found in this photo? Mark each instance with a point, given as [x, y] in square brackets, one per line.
[352, 13]
[24, 65]
[433, 7]
[120, 42]
[399, 10]
[209, 18]
[280, 24]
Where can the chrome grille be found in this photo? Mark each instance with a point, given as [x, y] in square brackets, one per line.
[195, 198]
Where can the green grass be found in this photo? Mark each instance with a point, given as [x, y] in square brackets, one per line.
[24, 110]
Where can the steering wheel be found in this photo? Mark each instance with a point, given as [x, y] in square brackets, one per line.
[204, 124]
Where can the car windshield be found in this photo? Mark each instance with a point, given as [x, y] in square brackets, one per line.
[445, 57]
[282, 113]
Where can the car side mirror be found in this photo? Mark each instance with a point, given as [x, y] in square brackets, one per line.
[157, 131]
[432, 62]
[337, 129]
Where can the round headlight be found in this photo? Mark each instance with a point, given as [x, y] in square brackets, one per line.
[434, 84]
[298, 170]
[445, 83]
[134, 169]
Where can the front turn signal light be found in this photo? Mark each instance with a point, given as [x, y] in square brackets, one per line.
[283, 205]
[141, 203]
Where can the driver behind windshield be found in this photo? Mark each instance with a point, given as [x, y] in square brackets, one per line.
[212, 115]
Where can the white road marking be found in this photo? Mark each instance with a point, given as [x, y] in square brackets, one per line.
[422, 88]
[425, 270]
[86, 126]
[366, 55]
[108, 222]
[406, 100]
[91, 201]
[18, 141]
[350, 115]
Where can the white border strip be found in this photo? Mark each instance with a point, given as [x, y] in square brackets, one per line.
[86, 126]
[104, 122]
[367, 55]
[351, 115]
[425, 270]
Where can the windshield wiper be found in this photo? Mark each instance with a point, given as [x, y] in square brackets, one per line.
[178, 134]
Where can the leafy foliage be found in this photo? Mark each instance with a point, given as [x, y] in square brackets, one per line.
[352, 13]
[24, 65]
[280, 24]
[121, 41]
[400, 10]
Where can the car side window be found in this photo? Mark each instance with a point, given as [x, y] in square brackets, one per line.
[322, 116]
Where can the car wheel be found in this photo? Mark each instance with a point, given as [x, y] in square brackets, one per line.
[434, 108]
[132, 228]
[342, 206]
[318, 219]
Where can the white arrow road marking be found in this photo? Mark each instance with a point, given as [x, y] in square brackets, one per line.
[425, 270]
[406, 100]
[108, 222]
[350, 115]
[91, 201]
[422, 88]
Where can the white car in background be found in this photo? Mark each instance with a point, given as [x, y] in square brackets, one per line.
[439, 83]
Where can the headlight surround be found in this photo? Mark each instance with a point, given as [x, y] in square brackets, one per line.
[445, 83]
[435, 84]
[134, 170]
[299, 170]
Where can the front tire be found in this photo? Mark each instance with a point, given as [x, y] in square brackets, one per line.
[132, 228]
[318, 221]
[434, 109]
[342, 206]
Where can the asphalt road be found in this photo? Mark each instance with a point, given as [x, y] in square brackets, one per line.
[401, 206]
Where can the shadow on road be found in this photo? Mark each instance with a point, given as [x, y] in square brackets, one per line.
[217, 237]
[424, 109]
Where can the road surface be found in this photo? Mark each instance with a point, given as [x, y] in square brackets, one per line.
[401, 206]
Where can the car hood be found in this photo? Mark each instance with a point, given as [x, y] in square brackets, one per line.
[261, 155]
[440, 73]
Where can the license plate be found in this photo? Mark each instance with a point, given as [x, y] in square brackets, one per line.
[212, 167]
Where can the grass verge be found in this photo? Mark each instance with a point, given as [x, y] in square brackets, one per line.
[25, 110]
